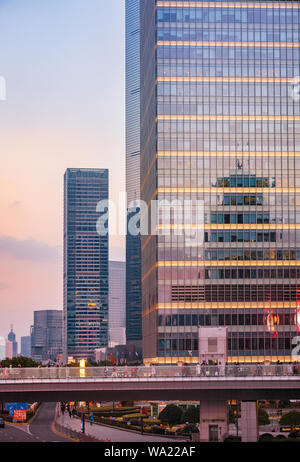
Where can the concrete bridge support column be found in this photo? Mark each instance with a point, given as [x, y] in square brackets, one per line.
[213, 421]
[249, 421]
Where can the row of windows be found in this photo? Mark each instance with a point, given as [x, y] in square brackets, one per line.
[224, 182]
[283, 236]
[252, 273]
[240, 218]
[236, 142]
[180, 344]
[257, 344]
[261, 344]
[228, 108]
[241, 236]
[230, 319]
[242, 254]
[225, 52]
[229, 15]
[245, 181]
[222, 89]
[225, 70]
[236, 199]
[224, 162]
[249, 293]
[224, 127]
[227, 35]
[207, 178]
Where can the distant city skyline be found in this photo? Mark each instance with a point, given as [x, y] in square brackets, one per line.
[61, 110]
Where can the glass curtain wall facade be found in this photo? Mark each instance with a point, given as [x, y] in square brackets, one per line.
[133, 243]
[46, 335]
[220, 123]
[85, 264]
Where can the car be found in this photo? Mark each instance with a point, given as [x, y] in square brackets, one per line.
[2, 424]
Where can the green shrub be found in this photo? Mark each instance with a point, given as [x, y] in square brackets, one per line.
[294, 435]
[171, 415]
[22, 360]
[232, 439]
[290, 418]
[266, 437]
[191, 415]
[263, 417]
[284, 403]
[190, 429]
[158, 430]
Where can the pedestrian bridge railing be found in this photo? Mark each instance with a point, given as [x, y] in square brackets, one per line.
[144, 372]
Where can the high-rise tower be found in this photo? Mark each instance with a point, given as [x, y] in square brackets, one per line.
[133, 243]
[12, 338]
[85, 263]
[220, 123]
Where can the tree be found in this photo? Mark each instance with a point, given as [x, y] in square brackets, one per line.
[171, 415]
[294, 435]
[290, 418]
[19, 360]
[266, 437]
[263, 417]
[284, 403]
[191, 415]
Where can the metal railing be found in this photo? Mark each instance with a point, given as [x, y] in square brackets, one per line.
[136, 372]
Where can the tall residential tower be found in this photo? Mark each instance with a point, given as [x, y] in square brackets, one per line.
[220, 125]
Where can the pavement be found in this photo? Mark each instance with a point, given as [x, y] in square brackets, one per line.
[262, 429]
[110, 434]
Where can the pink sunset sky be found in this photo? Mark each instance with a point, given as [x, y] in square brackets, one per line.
[63, 63]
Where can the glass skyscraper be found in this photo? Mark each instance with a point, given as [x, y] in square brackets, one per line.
[85, 264]
[12, 338]
[220, 123]
[133, 243]
[46, 335]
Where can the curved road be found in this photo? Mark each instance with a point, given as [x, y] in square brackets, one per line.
[39, 431]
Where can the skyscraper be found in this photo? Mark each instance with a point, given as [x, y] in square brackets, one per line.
[117, 297]
[2, 348]
[12, 338]
[85, 263]
[9, 349]
[220, 125]
[133, 243]
[26, 346]
[46, 335]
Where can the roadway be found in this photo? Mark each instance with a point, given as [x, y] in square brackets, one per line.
[111, 434]
[39, 431]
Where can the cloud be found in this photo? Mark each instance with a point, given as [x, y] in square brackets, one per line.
[29, 249]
